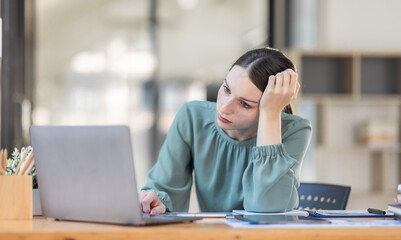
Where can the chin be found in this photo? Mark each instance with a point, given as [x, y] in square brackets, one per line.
[224, 126]
[221, 125]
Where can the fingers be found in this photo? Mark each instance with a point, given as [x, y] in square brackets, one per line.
[287, 83]
[296, 90]
[142, 194]
[151, 203]
[145, 204]
[158, 209]
[279, 82]
[281, 89]
[148, 198]
[271, 83]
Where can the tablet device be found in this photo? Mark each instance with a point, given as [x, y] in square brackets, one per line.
[280, 219]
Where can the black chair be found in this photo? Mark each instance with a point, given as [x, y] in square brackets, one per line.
[317, 196]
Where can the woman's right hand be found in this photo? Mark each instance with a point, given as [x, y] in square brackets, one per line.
[281, 89]
[151, 203]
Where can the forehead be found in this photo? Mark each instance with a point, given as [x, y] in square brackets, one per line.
[241, 85]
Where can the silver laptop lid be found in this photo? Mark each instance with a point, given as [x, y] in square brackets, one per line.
[86, 173]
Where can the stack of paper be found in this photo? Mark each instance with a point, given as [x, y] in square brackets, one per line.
[290, 213]
[347, 214]
[396, 208]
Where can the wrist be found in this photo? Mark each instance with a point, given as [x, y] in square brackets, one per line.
[270, 115]
[269, 129]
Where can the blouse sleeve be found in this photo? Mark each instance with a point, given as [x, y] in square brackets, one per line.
[271, 179]
[171, 176]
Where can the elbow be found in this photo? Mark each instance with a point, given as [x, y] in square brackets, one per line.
[271, 208]
[279, 201]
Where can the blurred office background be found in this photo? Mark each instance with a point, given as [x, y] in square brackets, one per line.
[134, 62]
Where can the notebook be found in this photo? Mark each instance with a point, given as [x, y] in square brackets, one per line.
[86, 173]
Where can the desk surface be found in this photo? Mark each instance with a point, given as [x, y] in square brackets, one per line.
[40, 228]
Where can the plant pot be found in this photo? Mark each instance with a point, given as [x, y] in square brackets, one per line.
[15, 197]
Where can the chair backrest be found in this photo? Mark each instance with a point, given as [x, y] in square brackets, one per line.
[323, 196]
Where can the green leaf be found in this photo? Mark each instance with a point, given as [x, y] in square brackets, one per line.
[12, 163]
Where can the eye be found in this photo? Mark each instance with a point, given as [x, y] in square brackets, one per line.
[244, 104]
[226, 89]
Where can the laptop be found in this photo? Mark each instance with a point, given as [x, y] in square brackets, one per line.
[86, 173]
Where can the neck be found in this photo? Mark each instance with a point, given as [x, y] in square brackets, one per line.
[241, 135]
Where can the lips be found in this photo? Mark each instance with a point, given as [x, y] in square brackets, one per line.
[222, 119]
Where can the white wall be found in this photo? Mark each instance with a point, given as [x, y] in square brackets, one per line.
[202, 41]
[360, 24]
[207, 39]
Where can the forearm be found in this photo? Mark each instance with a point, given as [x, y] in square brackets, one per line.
[269, 129]
[280, 197]
[269, 182]
[280, 90]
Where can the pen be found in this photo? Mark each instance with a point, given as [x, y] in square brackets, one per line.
[376, 211]
[20, 162]
[26, 164]
[28, 170]
[3, 162]
[310, 212]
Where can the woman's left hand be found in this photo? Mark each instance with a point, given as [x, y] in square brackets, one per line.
[280, 91]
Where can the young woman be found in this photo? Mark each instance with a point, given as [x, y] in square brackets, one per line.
[246, 150]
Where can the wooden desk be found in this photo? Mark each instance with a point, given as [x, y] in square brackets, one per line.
[43, 229]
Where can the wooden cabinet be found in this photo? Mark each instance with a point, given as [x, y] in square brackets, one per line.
[346, 93]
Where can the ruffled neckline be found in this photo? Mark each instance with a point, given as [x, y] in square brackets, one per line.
[250, 142]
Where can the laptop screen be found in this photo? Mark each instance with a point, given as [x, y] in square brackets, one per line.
[86, 173]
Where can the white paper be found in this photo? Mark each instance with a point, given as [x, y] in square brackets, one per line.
[290, 213]
[348, 213]
[343, 212]
[332, 224]
[200, 214]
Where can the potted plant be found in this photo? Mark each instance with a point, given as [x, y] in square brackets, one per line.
[11, 169]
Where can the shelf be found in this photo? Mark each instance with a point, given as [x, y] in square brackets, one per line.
[380, 75]
[326, 75]
[358, 147]
[354, 73]
[350, 96]
[352, 99]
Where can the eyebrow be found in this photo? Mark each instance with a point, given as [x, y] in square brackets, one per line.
[244, 99]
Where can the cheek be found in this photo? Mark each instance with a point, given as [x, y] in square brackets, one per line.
[220, 96]
[249, 117]
[256, 117]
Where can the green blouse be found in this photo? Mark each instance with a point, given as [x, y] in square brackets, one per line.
[229, 174]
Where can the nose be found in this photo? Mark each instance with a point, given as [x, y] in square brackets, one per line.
[227, 106]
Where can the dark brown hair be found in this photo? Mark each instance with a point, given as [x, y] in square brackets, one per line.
[262, 63]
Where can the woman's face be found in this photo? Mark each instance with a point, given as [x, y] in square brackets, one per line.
[238, 105]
